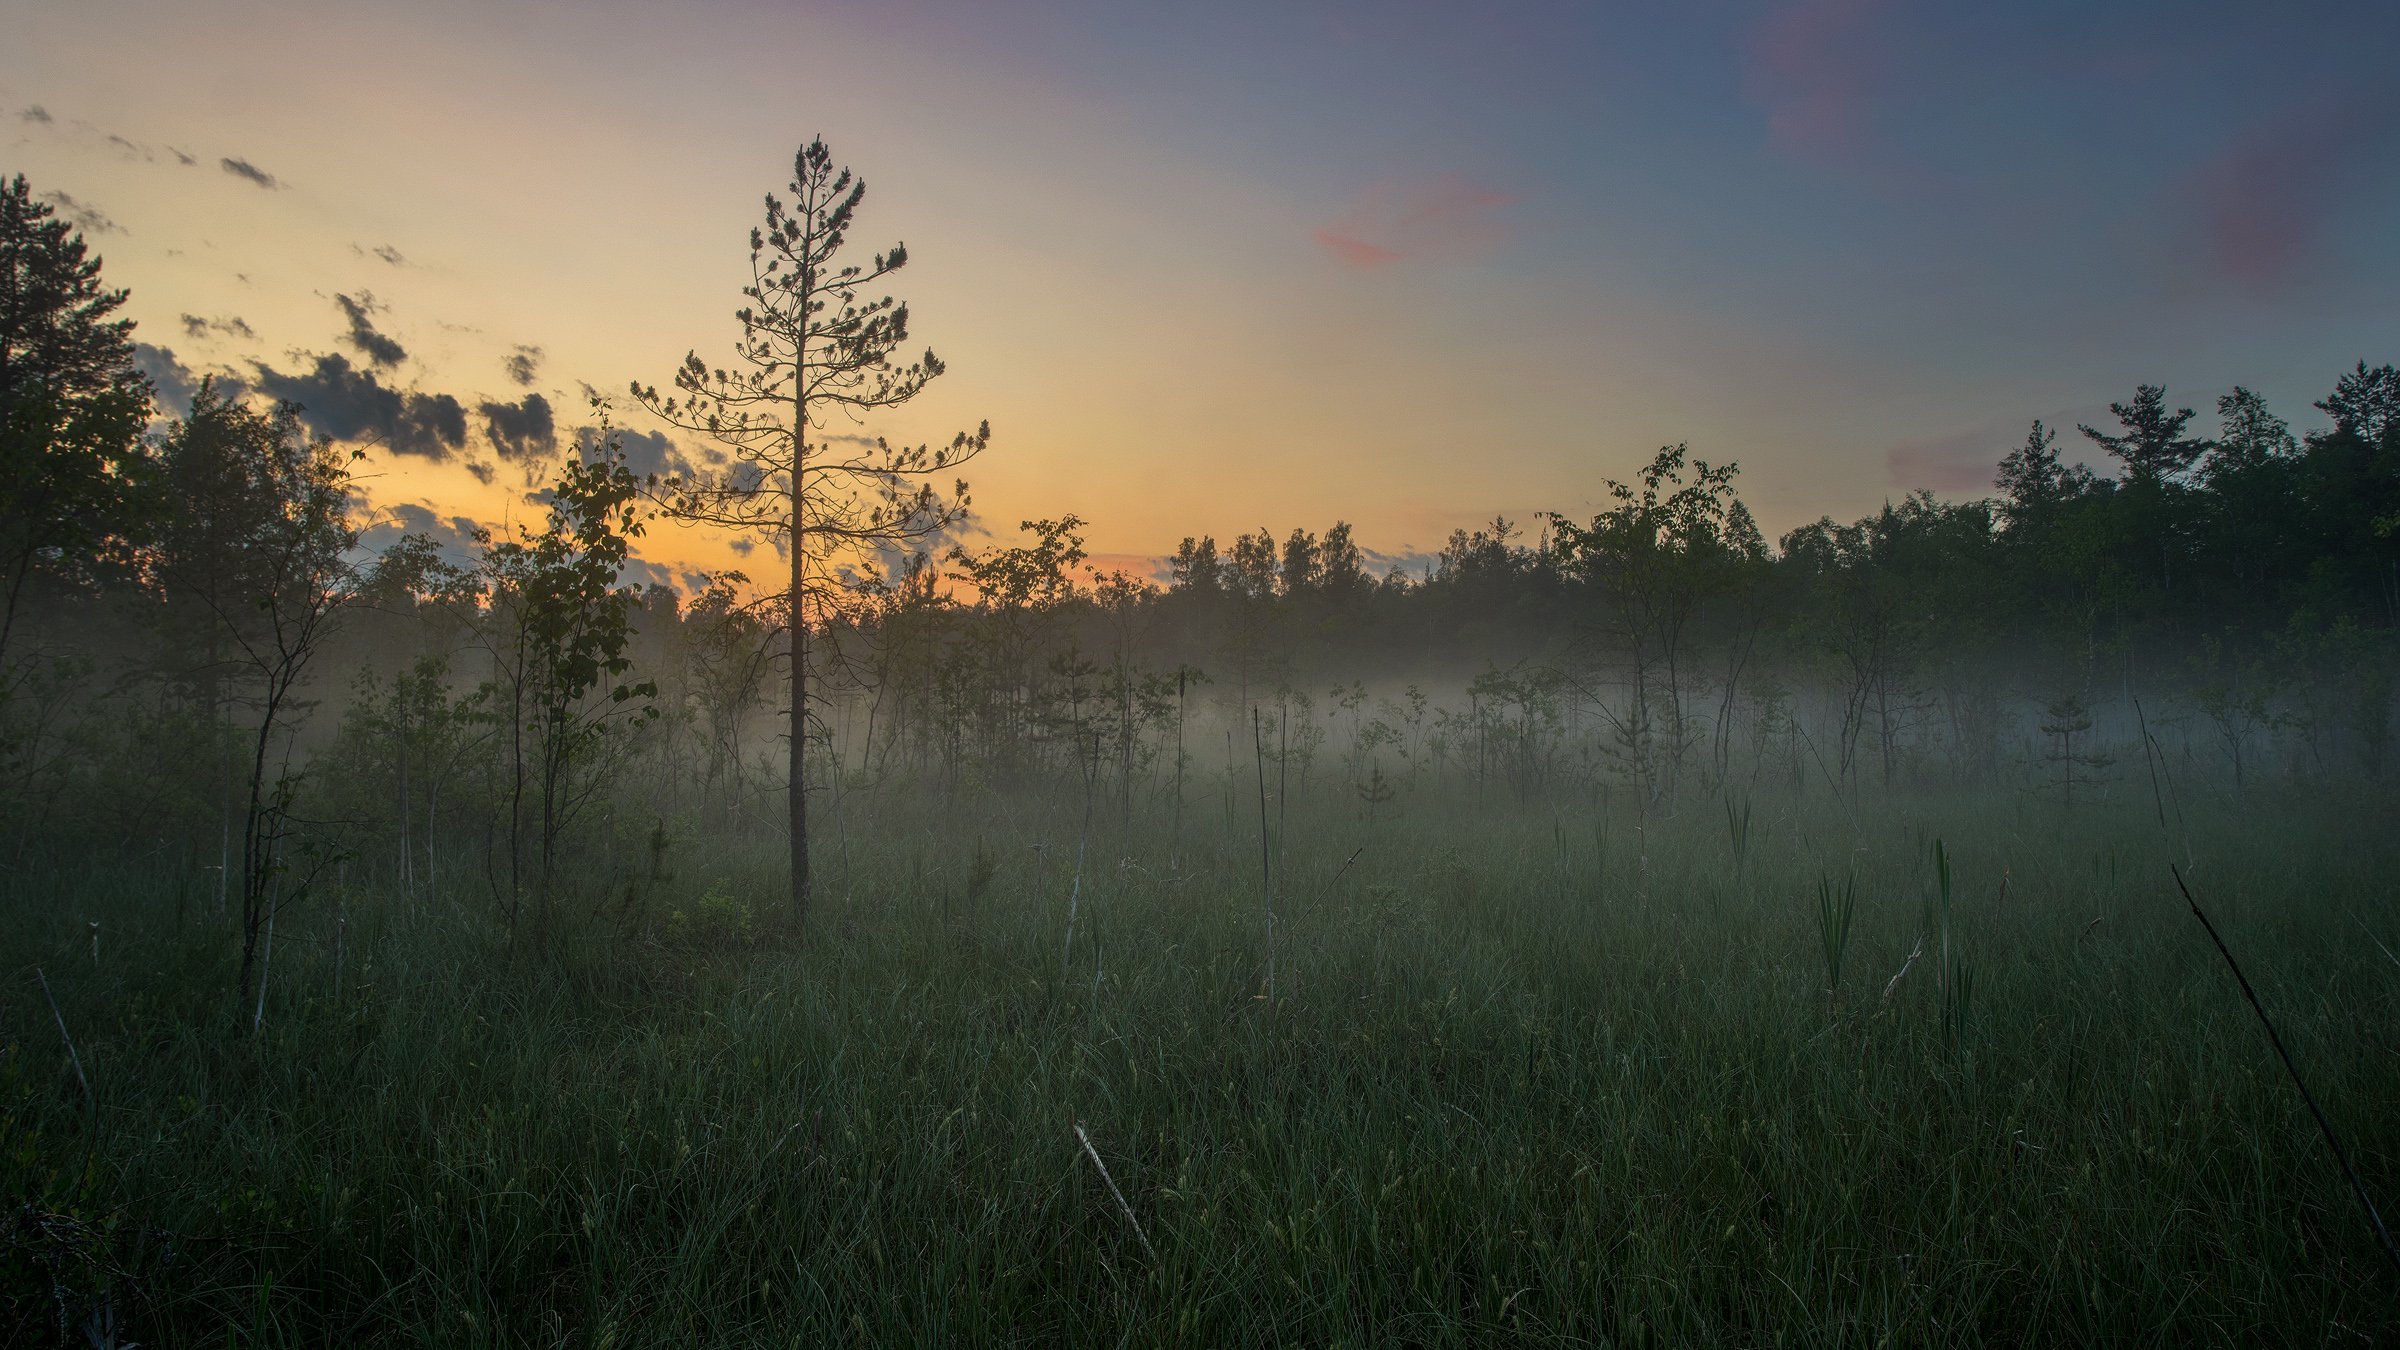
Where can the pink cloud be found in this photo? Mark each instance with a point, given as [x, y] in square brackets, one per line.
[2264, 200]
[1354, 251]
[1963, 463]
[1442, 218]
[1811, 69]
[1968, 461]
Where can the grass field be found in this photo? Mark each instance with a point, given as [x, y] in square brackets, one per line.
[1530, 1073]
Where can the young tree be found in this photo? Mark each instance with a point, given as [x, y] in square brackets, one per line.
[259, 545]
[1653, 557]
[558, 625]
[816, 345]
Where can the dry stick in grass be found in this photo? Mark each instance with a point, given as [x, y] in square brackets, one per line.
[2157, 801]
[1339, 872]
[1266, 852]
[2387, 952]
[2383, 1235]
[61, 1019]
[1111, 1183]
[1067, 952]
[1905, 967]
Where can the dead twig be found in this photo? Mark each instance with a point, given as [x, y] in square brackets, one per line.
[1111, 1183]
[72, 1057]
[2383, 1235]
[1905, 967]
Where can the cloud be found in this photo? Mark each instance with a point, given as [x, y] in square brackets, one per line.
[36, 113]
[484, 472]
[643, 572]
[197, 327]
[352, 404]
[453, 536]
[1961, 463]
[1140, 566]
[83, 215]
[185, 160]
[1443, 218]
[2265, 201]
[376, 347]
[384, 251]
[1411, 561]
[1968, 461]
[242, 168]
[1812, 70]
[521, 431]
[645, 452]
[524, 364]
[173, 380]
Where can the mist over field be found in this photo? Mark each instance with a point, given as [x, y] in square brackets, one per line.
[652, 857]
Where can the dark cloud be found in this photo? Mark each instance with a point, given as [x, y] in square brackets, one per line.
[484, 473]
[181, 158]
[376, 347]
[384, 251]
[83, 215]
[645, 452]
[347, 403]
[640, 572]
[36, 113]
[523, 364]
[1408, 561]
[522, 431]
[131, 151]
[174, 381]
[453, 536]
[195, 326]
[242, 168]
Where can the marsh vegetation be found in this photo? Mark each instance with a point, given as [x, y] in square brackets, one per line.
[1624, 931]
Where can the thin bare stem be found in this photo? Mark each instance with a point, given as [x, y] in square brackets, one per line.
[2383, 1235]
[72, 1057]
[1905, 967]
[1266, 851]
[1111, 1183]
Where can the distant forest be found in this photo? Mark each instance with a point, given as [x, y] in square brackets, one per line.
[197, 654]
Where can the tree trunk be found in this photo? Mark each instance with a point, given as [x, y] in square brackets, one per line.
[799, 621]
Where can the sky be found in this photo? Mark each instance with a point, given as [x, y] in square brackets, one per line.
[1212, 268]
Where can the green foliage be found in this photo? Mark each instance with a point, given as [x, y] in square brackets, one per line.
[1835, 910]
[559, 626]
[73, 468]
[2068, 724]
[716, 920]
[2152, 445]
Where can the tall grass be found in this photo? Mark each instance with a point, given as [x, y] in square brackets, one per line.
[1487, 1106]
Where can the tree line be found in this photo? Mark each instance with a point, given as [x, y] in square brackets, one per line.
[197, 657]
